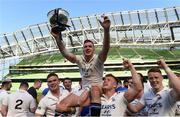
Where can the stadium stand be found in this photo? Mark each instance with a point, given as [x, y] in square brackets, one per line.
[154, 30]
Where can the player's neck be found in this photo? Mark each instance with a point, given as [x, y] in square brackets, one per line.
[109, 93]
[158, 90]
[88, 58]
[55, 93]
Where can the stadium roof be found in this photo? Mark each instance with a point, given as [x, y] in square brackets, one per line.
[139, 27]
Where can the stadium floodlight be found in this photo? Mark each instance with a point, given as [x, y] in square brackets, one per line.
[58, 19]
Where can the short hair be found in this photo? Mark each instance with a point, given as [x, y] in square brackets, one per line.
[155, 70]
[87, 40]
[52, 74]
[24, 83]
[6, 82]
[143, 79]
[67, 78]
[115, 78]
[37, 81]
[125, 80]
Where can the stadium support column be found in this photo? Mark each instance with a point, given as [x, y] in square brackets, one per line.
[172, 33]
[175, 10]
[172, 37]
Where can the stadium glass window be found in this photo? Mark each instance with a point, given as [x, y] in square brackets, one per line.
[143, 17]
[117, 19]
[161, 16]
[77, 24]
[3, 42]
[152, 17]
[85, 23]
[134, 18]
[176, 33]
[126, 18]
[94, 21]
[28, 34]
[35, 31]
[44, 29]
[171, 15]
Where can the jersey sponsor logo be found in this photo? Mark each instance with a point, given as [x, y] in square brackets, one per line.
[87, 69]
[154, 108]
[108, 106]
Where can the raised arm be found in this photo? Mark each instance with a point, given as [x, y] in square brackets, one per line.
[137, 85]
[69, 56]
[106, 41]
[173, 79]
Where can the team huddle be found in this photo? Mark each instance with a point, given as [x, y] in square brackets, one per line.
[97, 95]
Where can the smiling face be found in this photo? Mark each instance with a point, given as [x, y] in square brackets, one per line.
[88, 49]
[67, 84]
[155, 79]
[53, 83]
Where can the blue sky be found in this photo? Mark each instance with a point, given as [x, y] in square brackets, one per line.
[17, 14]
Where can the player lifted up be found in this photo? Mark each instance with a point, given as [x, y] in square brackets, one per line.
[91, 65]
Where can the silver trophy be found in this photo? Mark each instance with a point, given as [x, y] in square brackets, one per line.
[58, 19]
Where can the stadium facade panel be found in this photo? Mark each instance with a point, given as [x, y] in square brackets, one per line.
[148, 28]
[139, 27]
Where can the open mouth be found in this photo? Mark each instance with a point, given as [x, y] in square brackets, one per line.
[88, 51]
[155, 84]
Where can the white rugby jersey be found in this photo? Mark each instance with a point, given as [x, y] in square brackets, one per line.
[92, 71]
[19, 103]
[114, 106]
[160, 104]
[3, 95]
[47, 104]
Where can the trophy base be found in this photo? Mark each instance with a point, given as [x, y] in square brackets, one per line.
[58, 29]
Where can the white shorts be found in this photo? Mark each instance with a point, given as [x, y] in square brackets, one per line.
[87, 88]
